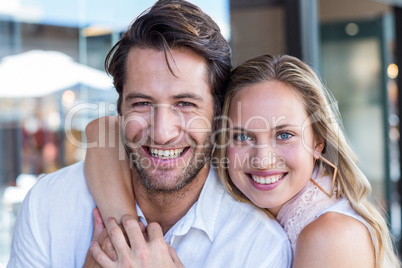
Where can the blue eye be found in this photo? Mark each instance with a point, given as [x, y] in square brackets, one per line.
[242, 137]
[284, 136]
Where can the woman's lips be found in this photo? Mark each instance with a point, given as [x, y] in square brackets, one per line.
[266, 183]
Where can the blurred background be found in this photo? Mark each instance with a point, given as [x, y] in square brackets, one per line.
[52, 81]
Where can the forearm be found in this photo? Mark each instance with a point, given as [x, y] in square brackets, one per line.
[107, 174]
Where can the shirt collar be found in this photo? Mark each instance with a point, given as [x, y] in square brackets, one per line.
[140, 215]
[203, 214]
[208, 204]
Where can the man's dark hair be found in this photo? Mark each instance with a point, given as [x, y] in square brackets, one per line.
[174, 24]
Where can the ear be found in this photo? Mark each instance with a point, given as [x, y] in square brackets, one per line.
[318, 147]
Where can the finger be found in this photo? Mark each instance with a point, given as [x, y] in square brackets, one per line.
[133, 231]
[108, 248]
[154, 231]
[103, 236]
[98, 225]
[144, 231]
[98, 217]
[89, 260]
[142, 226]
[156, 239]
[125, 234]
[100, 257]
[174, 256]
[117, 237]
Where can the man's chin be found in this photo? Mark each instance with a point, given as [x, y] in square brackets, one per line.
[165, 188]
[163, 179]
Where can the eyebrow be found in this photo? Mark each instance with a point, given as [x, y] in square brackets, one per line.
[274, 128]
[131, 96]
[196, 97]
[188, 96]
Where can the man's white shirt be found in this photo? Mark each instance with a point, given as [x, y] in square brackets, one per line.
[55, 224]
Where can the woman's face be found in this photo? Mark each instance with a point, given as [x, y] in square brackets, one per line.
[272, 147]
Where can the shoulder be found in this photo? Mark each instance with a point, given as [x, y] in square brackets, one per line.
[230, 208]
[334, 240]
[235, 223]
[74, 172]
[252, 228]
[235, 214]
[246, 214]
[249, 213]
[55, 221]
[68, 181]
[60, 193]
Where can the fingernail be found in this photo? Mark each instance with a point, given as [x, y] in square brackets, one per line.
[92, 244]
[108, 219]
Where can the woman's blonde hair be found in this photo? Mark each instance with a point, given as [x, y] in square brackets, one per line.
[325, 120]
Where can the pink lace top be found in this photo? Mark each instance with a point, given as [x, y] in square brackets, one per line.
[305, 207]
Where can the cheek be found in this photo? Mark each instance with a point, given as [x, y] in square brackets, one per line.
[299, 161]
[135, 126]
[235, 164]
[197, 126]
[237, 158]
[293, 157]
[308, 141]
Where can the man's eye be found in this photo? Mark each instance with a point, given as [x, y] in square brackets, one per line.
[140, 104]
[242, 137]
[284, 136]
[186, 104]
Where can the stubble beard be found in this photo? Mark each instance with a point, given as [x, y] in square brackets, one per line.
[152, 181]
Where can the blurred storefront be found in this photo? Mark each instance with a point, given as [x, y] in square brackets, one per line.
[46, 100]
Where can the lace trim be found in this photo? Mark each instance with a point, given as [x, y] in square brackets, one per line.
[305, 207]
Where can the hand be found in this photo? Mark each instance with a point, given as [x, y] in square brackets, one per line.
[149, 251]
[100, 235]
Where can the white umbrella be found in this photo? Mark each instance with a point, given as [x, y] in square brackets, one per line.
[39, 73]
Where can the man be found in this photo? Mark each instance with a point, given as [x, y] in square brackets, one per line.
[170, 69]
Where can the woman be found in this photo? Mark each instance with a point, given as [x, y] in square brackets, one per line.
[288, 155]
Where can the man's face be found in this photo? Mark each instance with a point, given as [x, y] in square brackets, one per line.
[167, 118]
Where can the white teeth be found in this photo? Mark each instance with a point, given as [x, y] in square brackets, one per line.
[165, 154]
[267, 180]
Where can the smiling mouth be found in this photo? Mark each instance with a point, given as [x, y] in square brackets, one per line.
[267, 180]
[166, 154]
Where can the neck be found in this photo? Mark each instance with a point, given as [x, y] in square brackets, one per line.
[167, 208]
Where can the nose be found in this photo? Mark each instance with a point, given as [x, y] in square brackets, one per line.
[264, 156]
[165, 125]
